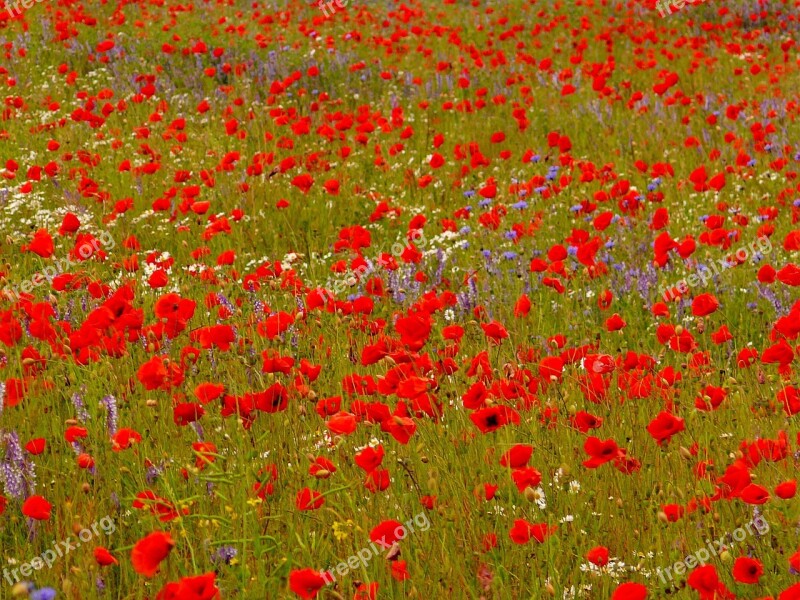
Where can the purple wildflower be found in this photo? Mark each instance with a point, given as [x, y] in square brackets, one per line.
[224, 555]
[111, 420]
[80, 408]
[18, 474]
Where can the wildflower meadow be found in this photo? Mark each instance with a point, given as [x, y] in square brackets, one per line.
[388, 299]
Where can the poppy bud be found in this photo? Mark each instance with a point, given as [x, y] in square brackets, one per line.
[530, 494]
[550, 589]
[678, 329]
[662, 516]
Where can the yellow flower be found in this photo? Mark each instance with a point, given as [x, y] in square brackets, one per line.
[339, 529]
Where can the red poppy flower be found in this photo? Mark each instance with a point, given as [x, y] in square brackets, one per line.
[704, 304]
[366, 591]
[598, 556]
[275, 325]
[124, 438]
[308, 499]
[664, 426]
[794, 561]
[36, 446]
[780, 353]
[342, 423]
[377, 480]
[615, 323]
[525, 477]
[321, 468]
[387, 533]
[517, 457]
[400, 571]
[522, 306]
[747, 570]
[205, 454]
[104, 557]
[599, 451]
[584, 421]
[150, 551]
[370, 458]
[786, 490]
[41, 244]
[400, 428]
[599, 363]
[630, 591]
[69, 224]
[789, 275]
[306, 583]
[705, 580]
[551, 368]
[175, 312]
[207, 392]
[202, 587]
[754, 494]
[159, 373]
[187, 412]
[494, 331]
[710, 397]
[36, 507]
[790, 593]
[414, 329]
[493, 418]
[522, 532]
